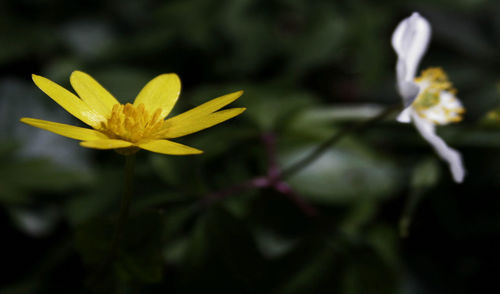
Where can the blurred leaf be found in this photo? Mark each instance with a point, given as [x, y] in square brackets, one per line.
[270, 107]
[273, 245]
[174, 170]
[317, 274]
[221, 246]
[321, 41]
[384, 240]
[343, 174]
[139, 255]
[96, 201]
[176, 220]
[44, 175]
[481, 137]
[425, 176]
[426, 173]
[83, 208]
[222, 139]
[19, 179]
[337, 113]
[366, 273]
[167, 168]
[35, 222]
[340, 263]
[175, 251]
[360, 213]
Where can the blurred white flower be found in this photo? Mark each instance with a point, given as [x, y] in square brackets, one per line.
[429, 99]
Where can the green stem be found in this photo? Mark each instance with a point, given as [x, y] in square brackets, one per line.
[120, 222]
[322, 148]
[411, 204]
[125, 203]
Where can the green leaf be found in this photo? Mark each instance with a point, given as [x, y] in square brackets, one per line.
[20, 179]
[343, 174]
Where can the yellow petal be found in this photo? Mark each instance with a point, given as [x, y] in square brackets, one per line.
[161, 92]
[69, 101]
[169, 147]
[106, 144]
[92, 93]
[206, 108]
[186, 127]
[64, 130]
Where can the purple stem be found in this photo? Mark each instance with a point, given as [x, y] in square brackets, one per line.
[258, 182]
[272, 179]
[286, 190]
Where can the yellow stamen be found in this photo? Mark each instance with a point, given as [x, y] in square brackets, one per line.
[133, 123]
[430, 103]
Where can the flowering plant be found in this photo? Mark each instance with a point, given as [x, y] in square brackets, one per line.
[429, 99]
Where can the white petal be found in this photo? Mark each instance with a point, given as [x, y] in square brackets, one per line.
[449, 100]
[410, 40]
[405, 115]
[453, 157]
[409, 91]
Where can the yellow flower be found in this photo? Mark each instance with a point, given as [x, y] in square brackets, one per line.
[130, 127]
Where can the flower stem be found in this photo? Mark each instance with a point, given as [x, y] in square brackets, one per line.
[125, 203]
[99, 275]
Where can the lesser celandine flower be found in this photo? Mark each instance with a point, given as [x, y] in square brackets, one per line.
[429, 99]
[130, 127]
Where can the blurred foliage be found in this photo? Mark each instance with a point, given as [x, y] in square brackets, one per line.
[389, 220]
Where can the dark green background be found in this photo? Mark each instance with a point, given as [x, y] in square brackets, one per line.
[308, 68]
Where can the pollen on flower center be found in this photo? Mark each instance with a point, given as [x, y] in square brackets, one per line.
[436, 100]
[133, 123]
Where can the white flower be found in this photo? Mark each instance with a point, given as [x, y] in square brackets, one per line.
[430, 98]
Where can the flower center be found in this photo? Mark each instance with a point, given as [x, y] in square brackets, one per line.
[133, 123]
[436, 100]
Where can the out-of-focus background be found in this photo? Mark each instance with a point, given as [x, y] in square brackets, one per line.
[389, 217]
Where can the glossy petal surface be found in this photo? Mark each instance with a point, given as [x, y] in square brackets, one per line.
[161, 92]
[202, 116]
[65, 130]
[194, 125]
[169, 147]
[70, 102]
[106, 144]
[92, 93]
